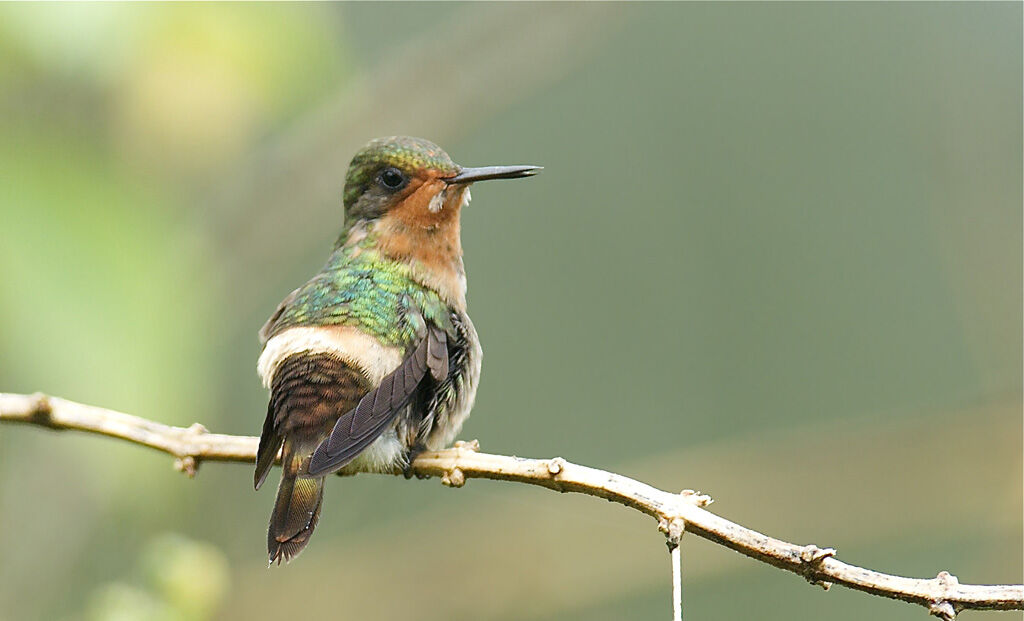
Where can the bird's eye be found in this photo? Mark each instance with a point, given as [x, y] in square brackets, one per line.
[392, 178]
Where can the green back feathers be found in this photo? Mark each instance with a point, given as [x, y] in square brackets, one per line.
[360, 288]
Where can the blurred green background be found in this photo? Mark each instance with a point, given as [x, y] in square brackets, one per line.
[775, 255]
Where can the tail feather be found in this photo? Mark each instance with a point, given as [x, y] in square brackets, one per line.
[296, 512]
[270, 444]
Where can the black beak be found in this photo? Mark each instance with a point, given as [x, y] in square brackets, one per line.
[469, 175]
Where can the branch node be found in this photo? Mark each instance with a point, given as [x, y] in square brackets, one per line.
[453, 478]
[197, 429]
[812, 556]
[188, 465]
[555, 466]
[947, 580]
[471, 445]
[696, 498]
[943, 608]
[41, 411]
[40, 404]
[673, 527]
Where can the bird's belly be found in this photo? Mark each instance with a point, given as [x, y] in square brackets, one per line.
[385, 454]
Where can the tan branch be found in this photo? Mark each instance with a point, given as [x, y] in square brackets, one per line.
[943, 595]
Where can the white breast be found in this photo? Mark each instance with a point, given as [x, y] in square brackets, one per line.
[354, 346]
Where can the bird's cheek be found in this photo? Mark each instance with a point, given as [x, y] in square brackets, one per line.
[456, 197]
[437, 201]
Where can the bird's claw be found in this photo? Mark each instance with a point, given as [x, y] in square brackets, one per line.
[408, 471]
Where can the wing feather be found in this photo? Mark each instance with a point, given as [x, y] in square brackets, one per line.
[437, 355]
[360, 426]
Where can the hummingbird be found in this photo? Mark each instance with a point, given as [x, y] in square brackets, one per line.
[374, 359]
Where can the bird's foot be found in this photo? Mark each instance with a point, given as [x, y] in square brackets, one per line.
[408, 471]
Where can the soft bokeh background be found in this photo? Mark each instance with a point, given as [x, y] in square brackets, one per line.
[775, 255]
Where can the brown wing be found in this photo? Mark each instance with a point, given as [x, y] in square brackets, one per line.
[307, 393]
[360, 426]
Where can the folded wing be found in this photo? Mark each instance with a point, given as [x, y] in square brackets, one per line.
[359, 427]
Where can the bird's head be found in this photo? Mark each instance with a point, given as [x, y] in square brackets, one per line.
[403, 197]
[413, 182]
